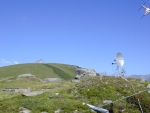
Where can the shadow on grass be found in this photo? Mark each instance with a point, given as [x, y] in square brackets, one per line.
[59, 72]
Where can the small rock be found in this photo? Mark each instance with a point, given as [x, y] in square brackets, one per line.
[76, 81]
[24, 110]
[9, 81]
[148, 86]
[52, 80]
[66, 85]
[107, 101]
[58, 111]
[56, 94]
[75, 111]
[83, 104]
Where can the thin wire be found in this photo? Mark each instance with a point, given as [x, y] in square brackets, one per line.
[134, 92]
[130, 95]
[114, 74]
[125, 97]
[131, 86]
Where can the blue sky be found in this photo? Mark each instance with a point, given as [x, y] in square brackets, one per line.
[87, 33]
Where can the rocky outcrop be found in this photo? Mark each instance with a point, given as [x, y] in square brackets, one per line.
[84, 73]
[28, 77]
[16, 90]
[52, 80]
[7, 79]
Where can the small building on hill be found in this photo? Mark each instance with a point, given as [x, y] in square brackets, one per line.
[40, 61]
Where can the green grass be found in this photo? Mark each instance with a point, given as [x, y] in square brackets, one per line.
[41, 70]
[43, 102]
[95, 91]
[69, 69]
[71, 95]
[59, 72]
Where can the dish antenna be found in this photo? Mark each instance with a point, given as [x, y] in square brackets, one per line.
[119, 60]
[120, 63]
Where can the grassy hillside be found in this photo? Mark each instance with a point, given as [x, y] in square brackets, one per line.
[72, 95]
[41, 70]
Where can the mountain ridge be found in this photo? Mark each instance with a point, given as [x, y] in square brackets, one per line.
[42, 70]
[146, 77]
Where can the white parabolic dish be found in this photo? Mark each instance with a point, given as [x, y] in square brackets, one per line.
[119, 59]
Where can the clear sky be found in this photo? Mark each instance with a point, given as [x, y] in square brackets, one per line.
[87, 33]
